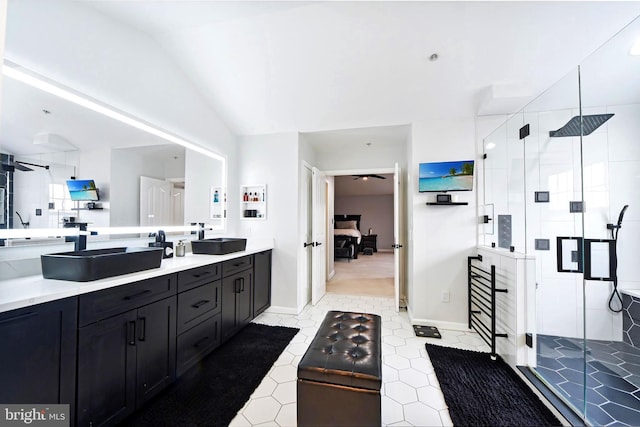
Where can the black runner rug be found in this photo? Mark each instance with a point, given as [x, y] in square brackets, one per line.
[483, 392]
[212, 393]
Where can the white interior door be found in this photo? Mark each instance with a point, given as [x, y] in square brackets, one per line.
[177, 205]
[155, 202]
[307, 226]
[397, 244]
[319, 203]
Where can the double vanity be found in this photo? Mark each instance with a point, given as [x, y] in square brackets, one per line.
[107, 346]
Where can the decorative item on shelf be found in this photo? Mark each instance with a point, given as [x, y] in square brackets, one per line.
[370, 231]
[254, 201]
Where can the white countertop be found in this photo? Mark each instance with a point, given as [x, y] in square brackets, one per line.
[31, 290]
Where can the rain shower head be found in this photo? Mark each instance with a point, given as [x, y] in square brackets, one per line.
[589, 124]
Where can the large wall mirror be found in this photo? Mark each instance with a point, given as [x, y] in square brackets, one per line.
[141, 179]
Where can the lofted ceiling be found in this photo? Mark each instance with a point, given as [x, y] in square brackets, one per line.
[322, 66]
[338, 72]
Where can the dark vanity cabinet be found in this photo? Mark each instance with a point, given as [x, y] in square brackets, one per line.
[38, 356]
[126, 348]
[261, 282]
[106, 353]
[237, 302]
[199, 307]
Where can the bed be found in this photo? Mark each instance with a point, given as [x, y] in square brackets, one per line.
[346, 232]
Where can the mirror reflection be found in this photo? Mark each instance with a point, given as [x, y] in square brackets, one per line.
[141, 179]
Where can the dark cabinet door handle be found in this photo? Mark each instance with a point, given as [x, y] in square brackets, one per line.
[216, 300]
[201, 341]
[197, 276]
[131, 333]
[238, 264]
[138, 295]
[242, 284]
[19, 317]
[200, 303]
[308, 244]
[317, 243]
[142, 329]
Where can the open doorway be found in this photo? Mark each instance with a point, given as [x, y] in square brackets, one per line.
[362, 235]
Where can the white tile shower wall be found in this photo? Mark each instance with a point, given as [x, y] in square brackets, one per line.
[611, 180]
[604, 179]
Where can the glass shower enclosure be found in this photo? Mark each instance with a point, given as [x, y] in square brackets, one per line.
[561, 183]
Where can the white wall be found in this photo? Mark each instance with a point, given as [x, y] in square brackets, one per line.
[442, 237]
[377, 213]
[201, 173]
[273, 160]
[96, 55]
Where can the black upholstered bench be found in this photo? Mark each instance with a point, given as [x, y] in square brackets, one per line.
[340, 375]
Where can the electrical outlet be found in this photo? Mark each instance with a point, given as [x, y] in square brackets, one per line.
[445, 296]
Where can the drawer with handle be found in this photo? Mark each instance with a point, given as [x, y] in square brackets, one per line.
[196, 343]
[197, 304]
[189, 279]
[99, 305]
[235, 265]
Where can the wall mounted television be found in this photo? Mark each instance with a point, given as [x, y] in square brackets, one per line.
[83, 190]
[446, 176]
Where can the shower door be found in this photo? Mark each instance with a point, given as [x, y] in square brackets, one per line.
[555, 225]
[610, 100]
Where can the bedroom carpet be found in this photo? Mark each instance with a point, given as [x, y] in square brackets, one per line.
[369, 275]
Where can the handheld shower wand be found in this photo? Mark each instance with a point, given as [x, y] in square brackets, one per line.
[615, 229]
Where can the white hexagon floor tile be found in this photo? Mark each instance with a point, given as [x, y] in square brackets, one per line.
[262, 410]
[410, 391]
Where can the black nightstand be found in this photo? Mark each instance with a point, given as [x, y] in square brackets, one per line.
[370, 241]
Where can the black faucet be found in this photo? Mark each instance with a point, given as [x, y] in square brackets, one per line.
[200, 229]
[80, 241]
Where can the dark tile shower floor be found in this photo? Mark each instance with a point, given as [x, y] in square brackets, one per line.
[613, 380]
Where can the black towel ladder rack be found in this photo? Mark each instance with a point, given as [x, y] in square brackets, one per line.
[482, 300]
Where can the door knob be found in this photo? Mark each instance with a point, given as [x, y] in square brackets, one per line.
[308, 244]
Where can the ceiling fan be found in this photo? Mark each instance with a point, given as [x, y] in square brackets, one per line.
[366, 177]
[18, 165]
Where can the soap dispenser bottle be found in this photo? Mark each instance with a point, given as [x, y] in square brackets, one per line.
[180, 248]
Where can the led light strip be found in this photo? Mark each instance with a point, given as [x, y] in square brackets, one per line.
[22, 233]
[141, 230]
[14, 71]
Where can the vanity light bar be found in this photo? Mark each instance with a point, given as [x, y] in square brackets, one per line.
[142, 230]
[12, 70]
[23, 233]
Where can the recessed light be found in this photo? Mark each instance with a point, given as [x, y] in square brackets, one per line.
[433, 57]
[635, 49]
[44, 110]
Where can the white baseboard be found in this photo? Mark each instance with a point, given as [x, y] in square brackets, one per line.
[281, 310]
[331, 274]
[440, 324]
